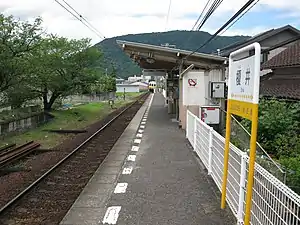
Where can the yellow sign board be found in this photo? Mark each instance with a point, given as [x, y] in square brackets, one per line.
[242, 109]
[243, 97]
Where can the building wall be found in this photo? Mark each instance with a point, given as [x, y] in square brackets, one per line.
[287, 72]
[274, 40]
[212, 75]
[128, 88]
[276, 51]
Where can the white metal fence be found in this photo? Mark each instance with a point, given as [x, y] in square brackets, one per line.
[273, 203]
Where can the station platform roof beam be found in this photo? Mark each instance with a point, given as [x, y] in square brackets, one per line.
[154, 57]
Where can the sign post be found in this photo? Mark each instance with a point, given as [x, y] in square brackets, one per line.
[243, 97]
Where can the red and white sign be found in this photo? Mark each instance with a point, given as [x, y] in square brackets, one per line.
[192, 82]
[194, 88]
[210, 114]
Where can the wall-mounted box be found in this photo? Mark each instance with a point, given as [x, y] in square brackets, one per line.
[217, 89]
[210, 114]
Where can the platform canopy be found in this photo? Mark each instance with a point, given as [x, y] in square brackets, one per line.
[152, 57]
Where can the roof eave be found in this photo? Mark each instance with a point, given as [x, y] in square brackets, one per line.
[227, 50]
[123, 44]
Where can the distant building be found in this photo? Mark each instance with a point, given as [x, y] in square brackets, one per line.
[284, 80]
[120, 81]
[142, 86]
[128, 88]
[141, 78]
[272, 42]
[134, 78]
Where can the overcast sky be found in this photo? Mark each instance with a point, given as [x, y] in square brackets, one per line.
[118, 17]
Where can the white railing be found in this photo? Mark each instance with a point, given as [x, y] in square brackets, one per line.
[164, 93]
[273, 203]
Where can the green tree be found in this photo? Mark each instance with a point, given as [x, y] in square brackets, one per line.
[17, 41]
[292, 167]
[278, 127]
[17, 95]
[62, 67]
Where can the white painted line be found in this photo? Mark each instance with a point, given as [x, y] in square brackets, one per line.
[143, 123]
[139, 135]
[144, 120]
[127, 170]
[141, 131]
[131, 158]
[121, 188]
[111, 215]
[142, 126]
[137, 141]
[135, 148]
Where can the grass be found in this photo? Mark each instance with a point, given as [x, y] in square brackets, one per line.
[128, 95]
[75, 118]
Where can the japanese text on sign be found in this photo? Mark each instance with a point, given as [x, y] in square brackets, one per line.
[243, 109]
[242, 80]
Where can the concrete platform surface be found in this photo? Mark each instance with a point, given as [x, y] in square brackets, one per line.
[151, 176]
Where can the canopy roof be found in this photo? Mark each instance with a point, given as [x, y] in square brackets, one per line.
[164, 58]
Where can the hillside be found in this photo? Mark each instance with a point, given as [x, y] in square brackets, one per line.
[126, 67]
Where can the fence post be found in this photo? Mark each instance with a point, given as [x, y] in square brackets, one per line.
[195, 132]
[187, 124]
[210, 144]
[240, 212]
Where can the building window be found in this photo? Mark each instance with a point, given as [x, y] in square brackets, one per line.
[264, 57]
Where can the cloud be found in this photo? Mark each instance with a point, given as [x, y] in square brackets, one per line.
[119, 17]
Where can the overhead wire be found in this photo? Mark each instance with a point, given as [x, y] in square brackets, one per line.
[211, 10]
[239, 17]
[201, 14]
[82, 19]
[223, 27]
[168, 15]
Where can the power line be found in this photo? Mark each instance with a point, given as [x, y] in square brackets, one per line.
[168, 14]
[80, 18]
[211, 10]
[208, 1]
[223, 27]
[83, 18]
[239, 17]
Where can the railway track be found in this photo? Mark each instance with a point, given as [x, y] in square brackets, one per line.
[49, 197]
[10, 155]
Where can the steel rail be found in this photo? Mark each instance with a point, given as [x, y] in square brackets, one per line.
[37, 181]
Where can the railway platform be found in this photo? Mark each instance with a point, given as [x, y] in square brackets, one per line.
[151, 176]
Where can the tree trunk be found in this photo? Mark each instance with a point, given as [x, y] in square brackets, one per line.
[47, 107]
[48, 104]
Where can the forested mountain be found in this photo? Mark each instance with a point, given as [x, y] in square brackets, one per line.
[187, 40]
